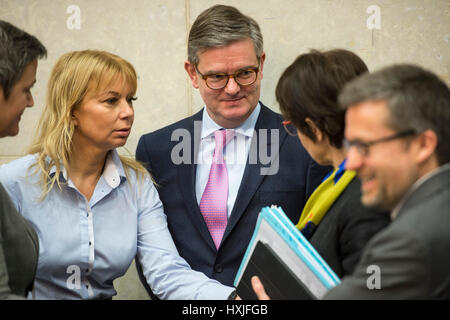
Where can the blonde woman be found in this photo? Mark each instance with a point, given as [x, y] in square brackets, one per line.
[94, 210]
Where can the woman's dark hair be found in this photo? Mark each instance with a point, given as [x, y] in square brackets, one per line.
[310, 86]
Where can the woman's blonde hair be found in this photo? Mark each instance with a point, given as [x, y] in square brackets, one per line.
[73, 76]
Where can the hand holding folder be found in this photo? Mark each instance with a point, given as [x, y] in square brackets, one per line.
[286, 263]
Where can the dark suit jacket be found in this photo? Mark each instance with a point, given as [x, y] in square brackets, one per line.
[19, 251]
[412, 255]
[295, 180]
[346, 228]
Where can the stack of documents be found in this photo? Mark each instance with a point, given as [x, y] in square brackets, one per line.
[288, 266]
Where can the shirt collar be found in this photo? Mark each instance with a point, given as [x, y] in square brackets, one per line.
[416, 186]
[113, 172]
[246, 128]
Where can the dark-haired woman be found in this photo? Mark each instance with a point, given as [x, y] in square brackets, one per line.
[333, 219]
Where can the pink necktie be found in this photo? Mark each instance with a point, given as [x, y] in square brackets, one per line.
[213, 204]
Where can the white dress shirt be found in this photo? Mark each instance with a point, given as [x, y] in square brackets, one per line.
[235, 155]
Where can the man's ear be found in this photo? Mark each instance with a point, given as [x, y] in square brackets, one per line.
[425, 144]
[261, 64]
[192, 73]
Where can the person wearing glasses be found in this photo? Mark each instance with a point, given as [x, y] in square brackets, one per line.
[398, 133]
[333, 219]
[213, 195]
[397, 136]
[19, 244]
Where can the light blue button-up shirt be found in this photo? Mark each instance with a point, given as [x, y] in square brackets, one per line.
[85, 245]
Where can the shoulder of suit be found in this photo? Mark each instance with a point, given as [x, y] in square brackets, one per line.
[430, 201]
[267, 111]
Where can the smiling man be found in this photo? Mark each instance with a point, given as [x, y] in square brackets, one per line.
[398, 133]
[211, 200]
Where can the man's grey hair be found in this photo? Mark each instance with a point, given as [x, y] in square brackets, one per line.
[219, 26]
[416, 98]
[17, 50]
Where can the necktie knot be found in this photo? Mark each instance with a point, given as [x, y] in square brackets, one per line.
[222, 137]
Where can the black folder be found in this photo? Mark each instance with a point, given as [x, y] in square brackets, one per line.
[279, 281]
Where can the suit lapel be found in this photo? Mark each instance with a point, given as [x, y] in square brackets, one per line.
[186, 180]
[252, 177]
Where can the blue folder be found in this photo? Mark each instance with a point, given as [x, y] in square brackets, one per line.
[299, 245]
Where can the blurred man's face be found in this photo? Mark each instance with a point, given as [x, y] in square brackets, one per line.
[20, 98]
[388, 170]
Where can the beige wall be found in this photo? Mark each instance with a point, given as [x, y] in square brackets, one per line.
[152, 35]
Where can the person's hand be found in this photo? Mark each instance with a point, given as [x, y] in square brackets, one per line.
[259, 289]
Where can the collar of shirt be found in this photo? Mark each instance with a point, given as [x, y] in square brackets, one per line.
[416, 186]
[246, 128]
[113, 172]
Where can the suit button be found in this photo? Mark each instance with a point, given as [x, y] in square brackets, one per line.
[218, 268]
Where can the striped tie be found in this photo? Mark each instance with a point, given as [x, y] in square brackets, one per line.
[213, 204]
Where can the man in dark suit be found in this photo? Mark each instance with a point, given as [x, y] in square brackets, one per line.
[398, 133]
[264, 165]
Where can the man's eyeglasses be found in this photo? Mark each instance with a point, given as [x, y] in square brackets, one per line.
[363, 147]
[290, 128]
[243, 77]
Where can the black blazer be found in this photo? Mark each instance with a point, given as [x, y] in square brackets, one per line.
[346, 228]
[297, 177]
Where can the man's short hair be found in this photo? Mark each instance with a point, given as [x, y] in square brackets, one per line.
[416, 98]
[17, 50]
[219, 26]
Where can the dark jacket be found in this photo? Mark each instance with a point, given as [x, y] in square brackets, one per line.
[346, 228]
[289, 188]
[411, 256]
